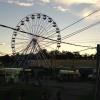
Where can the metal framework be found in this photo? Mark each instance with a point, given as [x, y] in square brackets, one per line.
[27, 46]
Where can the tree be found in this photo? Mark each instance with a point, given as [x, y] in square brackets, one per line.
[6, 60]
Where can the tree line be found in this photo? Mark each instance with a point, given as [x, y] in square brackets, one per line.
[49, 55]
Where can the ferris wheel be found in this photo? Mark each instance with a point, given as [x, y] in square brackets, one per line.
[39, 25]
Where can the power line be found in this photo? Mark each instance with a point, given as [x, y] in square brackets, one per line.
[80, 19]
[86, 41]
[80, 30]
[76, 45]
[86, 49]
[43, 37]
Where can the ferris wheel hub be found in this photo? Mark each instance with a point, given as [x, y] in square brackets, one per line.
[34, 40]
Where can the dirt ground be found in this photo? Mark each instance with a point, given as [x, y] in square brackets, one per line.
[48, 90]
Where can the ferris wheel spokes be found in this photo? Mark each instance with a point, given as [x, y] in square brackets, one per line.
[33, 34]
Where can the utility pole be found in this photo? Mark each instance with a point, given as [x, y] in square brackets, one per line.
[97, 91]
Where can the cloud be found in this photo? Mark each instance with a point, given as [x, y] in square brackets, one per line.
[70, 2]
[24, 3]
[60, 8]
[2, 43]
[45, 1]
[93, 17]
[64, 5]
[60, 3]
[86, 12]
[27, 3]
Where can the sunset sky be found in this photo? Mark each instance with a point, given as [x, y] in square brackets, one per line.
[63, 12]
